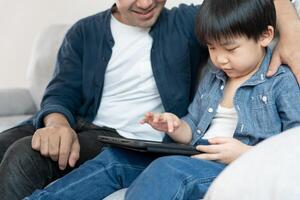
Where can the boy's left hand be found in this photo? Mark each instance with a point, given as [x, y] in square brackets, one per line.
[222, 149]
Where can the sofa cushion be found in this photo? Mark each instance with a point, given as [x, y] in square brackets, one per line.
[269, 171]
[43, 58]
[16, 102]
[118, 195]
[11, 121]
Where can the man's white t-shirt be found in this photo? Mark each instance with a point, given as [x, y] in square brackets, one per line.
[129, 86]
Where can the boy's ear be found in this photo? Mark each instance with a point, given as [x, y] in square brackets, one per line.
[267, 36]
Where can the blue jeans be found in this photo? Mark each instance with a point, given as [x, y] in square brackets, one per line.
[168, 177]
[23, 170]
[174, 177]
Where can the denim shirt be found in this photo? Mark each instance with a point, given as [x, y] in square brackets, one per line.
[265, 106]
[77, 84]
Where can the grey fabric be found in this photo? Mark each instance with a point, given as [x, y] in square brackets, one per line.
[11, 121]
[118, 195]
[17, 105]
[297, 6]
[270, 171]
[16, 102]
[42, 61]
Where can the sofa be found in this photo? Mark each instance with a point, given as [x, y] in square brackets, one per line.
[19, 104]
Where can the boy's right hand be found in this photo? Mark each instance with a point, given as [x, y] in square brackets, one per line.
[164, 122]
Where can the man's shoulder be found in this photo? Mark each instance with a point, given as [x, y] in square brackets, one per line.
[96, 17]
[92, 20]
[183, 9]
[179, 19]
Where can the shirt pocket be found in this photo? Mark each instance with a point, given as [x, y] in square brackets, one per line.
[264, 116]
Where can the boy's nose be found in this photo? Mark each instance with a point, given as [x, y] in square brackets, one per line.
[221, 59]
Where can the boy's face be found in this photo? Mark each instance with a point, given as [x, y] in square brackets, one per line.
[141, 13]
[239, 56]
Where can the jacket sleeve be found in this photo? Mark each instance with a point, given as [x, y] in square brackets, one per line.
[64, 92]
[288, 100]
[194, 111]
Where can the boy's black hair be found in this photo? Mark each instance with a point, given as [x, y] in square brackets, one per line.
[223, 19]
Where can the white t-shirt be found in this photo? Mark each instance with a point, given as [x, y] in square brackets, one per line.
[223, 124]
[129, 86]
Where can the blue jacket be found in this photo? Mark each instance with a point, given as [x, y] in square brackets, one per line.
[265, 106]
[76, 87]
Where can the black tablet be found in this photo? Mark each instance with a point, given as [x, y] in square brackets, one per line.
[150, 146]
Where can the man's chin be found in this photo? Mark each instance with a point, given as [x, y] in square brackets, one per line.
[147, 23]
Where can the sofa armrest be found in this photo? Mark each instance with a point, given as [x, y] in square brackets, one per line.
[297, 6]
[270, 170]
[16, 102]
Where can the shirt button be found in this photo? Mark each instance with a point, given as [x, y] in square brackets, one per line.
[198, 131]
[210, 110]
[222, 87]
[264, 99]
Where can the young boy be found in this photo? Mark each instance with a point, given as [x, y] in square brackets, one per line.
[235, 107]
[235, 102]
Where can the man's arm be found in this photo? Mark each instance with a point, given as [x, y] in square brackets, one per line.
[285, 11]
[54, 137]
[287, 50]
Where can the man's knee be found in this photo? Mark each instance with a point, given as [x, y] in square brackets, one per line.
[21, 163]
[10, 136]
[20, 152]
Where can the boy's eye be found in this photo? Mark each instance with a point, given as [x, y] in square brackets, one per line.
[211, 48]
[231, 48]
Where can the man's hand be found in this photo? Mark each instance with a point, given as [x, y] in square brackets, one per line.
[59, 142]
[222, 149]
[287, 50]
[164, 122]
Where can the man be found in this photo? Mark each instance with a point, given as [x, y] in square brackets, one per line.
[112, 68]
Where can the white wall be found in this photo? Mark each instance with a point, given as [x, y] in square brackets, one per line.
[21, 20]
